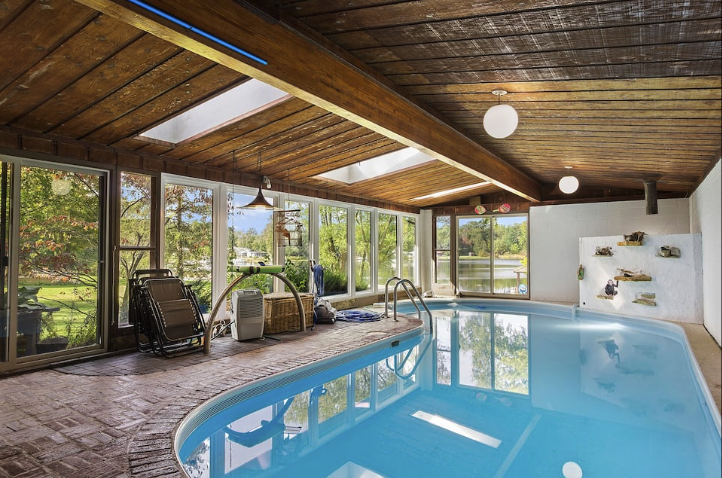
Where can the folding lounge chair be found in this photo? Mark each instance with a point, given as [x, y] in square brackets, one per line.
[166, 314]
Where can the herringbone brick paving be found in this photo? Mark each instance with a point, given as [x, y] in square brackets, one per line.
[115, 417]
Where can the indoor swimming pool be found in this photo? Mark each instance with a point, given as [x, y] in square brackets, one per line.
[500, 388]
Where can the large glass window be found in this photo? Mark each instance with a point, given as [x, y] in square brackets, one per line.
[442, 250]
[473, 249]
[492, 254]
[250, 239]
[408, 249]
[297, 255]
[510, 255]
[188, 243]
[363, 250]
[387, 248]
[333, 248]
[136, 234]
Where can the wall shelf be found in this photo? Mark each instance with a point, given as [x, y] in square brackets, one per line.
[634, 278]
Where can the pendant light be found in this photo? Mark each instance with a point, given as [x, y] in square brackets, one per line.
[568, 184]
[260, 202]
[500, 120]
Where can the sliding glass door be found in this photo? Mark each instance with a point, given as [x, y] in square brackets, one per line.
[53, 267]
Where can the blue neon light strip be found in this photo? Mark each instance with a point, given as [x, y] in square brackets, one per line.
[190, 27]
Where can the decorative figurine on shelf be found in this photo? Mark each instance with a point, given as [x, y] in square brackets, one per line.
[604, 251]
[669, 251]
[580, 272]
[634, 237]
[611, 289]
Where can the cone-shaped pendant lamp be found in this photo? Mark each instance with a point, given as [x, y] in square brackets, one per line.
[260, 202]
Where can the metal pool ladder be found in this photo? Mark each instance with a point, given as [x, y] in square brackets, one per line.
[406, 283]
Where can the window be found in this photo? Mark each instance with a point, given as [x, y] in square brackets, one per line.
[492, 254]
[333, 248]
[297, 256]
[442, 250]
[363, 250]
[188, 246]
[137, 232]
[408, 248]
[387, 248]
[250, 239]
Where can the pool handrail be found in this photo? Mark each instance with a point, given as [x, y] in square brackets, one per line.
[403, 283]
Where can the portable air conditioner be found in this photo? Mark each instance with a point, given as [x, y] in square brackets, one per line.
[247, 314]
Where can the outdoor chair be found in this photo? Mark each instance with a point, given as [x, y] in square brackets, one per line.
[165, 314]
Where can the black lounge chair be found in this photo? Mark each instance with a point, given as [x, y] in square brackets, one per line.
[165, 314]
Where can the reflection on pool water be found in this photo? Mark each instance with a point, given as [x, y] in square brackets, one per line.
[513, 390]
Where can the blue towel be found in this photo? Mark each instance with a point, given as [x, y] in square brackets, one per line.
[318, 279]
[356, 315]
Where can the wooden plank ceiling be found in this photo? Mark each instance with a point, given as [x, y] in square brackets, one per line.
[619, 91]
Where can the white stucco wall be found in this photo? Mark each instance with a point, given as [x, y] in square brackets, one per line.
[676, 281]
[705, 214]
[554, 233]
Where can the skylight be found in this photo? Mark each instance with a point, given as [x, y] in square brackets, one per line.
[244, 100]
[378, 166]
[451, 191]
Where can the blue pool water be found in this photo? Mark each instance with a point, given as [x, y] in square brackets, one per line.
[500, 389]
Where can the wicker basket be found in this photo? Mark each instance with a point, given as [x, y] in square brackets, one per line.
[280, 312]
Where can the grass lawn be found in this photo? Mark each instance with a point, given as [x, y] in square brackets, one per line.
[73, 301]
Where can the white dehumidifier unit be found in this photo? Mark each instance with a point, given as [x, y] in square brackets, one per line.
[247, 314]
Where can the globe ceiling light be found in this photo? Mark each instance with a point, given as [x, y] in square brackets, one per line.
[500, 120]
[568, 184]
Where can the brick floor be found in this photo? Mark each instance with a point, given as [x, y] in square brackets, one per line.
[115, 417]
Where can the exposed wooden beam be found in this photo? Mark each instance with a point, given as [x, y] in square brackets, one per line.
[304, 68]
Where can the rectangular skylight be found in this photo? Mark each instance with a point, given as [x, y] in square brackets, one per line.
[457, 428]
[242, 101]
[378, 166]
[451, 191]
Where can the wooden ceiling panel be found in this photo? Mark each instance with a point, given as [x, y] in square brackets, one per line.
[620, 91]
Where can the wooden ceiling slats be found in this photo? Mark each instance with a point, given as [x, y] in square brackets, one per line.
[289, 143]
[247, 156]
[355, 145]
[329, 159]
[36, 32]
[116, 72]
[248, 147]
[555, 73]
[530, 109]
[167, 105]
[620, 90]
[100, 38]
[661, 125]
[441, 11]
[573, 86]
[637, 55]
[237, 135]
[178, 69]
[564, 98]
[586, 15]
[569, 41]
